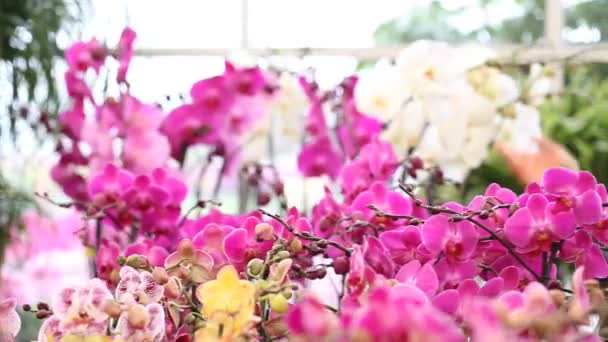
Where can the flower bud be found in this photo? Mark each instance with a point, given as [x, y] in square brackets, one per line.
[185, 249]
[264, 231]
[112, 308]
[263, 198]
[138, 316]
[43, 306]
[190, 318]
[278, 188]
[513, 208]
[295, 245]
[173, 288]
[160, 275]
[183, 272]
[287, 293]
[558, 296]
[121, 260]
[42, 314]
[137, 261]
[26, 307]
[341, 265]
[279, 304]
[282, 255]
[255, 267]
[416, 163]
[318, 273]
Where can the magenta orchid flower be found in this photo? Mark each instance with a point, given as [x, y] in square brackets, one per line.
[84, 55]
[125, 53]
[535, 226]
[210, 239]
[423, 277]
[326, 215]
[380, 317]
[319, 158]
[402, 244]
[379, 195]
[456, 240]
[242, 245]
[377, 257]
[576, 191]
[581, 250]
[310, 319]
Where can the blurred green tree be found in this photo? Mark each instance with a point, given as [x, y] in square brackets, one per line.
[437, 20]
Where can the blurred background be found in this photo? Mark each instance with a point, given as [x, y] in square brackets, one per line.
[182, 41]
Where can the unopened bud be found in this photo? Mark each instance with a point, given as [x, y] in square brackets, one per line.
[295, 245]
[439, 176]
[173, 288]
[283, 255]
[43, 306]
[26, 307]
[183, 272]
[185, 249]
[121, 260]
[513, 208]
[278, 188]
[263, 198]
[287, 293]
[341, 265]
[416, 163]
[319, 273]
[137, 261]
[558, 296]
[264, 231]
[160, 275]
[138, 316]
[279, 304]
[42, 314]
[255, 267]
[112, 308]
[190, 318]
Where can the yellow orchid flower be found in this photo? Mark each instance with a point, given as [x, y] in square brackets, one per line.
[89, 338]
[228, 303]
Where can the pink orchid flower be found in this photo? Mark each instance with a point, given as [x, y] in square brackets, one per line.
[576, 191]
[137, 287]
[10, 323]
[125, 52]
[457, 240]
[142, 323]
[310, 319]
[585, 254]
[423, 277]
[535, 226]
[318, 158]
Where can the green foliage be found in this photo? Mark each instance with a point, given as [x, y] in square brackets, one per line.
[28, 51]
[12, 204]
[435, 21]
[578, 118]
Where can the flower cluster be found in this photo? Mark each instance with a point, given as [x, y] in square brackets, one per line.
[494, 269]
[119, 130]
[446, 105]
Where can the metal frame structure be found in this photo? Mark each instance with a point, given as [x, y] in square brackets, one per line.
[550, 49]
